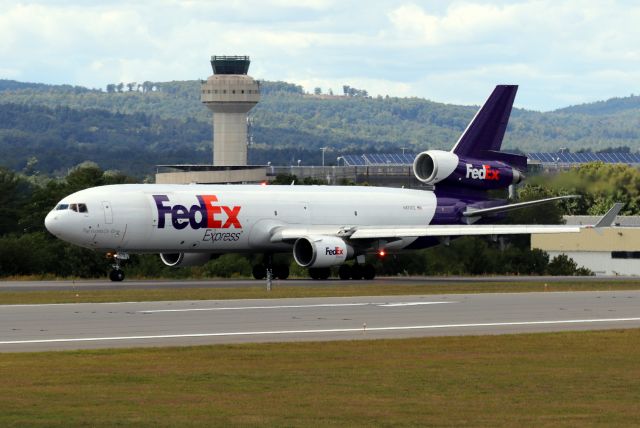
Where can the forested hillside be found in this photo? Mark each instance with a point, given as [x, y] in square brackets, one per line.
[164, 122]
[611, 106]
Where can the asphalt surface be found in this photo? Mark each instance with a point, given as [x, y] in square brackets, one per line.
[134, 324]
[218, 283]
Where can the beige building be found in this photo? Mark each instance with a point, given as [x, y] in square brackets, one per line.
[606, 251]
[207, 174]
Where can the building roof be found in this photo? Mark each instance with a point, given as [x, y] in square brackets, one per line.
[621, 220]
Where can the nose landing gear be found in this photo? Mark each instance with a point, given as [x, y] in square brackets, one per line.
[117, 274]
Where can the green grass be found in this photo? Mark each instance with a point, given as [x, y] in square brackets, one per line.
[542, 380]
[281, 290]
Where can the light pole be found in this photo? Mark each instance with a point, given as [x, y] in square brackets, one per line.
[323, 149]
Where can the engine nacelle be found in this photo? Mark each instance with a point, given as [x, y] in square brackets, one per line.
[185, 259]
[433, 166]
[321, 251]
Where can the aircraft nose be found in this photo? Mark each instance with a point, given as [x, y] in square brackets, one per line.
[52, 224]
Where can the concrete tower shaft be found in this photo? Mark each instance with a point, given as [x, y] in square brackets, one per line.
[230, 94]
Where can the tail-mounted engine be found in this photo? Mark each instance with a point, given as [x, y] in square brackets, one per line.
[321, 251]
[435, 166]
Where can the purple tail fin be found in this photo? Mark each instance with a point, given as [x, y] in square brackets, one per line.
[483, 137]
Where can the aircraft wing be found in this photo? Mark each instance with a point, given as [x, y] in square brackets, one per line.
[458, 230]
[289, 233]
[282, 234]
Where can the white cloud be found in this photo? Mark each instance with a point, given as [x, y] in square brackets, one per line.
[558, 51]
[462, 23]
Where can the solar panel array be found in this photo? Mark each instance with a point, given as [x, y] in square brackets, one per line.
[585, 157]
[378, 159]
[381, 159]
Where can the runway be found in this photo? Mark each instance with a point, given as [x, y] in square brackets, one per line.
[177, 323]
[239, 283]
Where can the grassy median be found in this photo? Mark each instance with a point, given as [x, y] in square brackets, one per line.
[290, 289]
[558, 379]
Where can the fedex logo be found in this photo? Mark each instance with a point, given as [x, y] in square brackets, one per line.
[208, 214]
[337, 251]
[484, 173]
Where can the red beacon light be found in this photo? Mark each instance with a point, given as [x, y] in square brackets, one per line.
[382, 253]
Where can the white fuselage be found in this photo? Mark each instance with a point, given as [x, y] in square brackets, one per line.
[153, 218]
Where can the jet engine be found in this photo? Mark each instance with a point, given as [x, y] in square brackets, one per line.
[433, 166]
[185, 259]
[321, 251]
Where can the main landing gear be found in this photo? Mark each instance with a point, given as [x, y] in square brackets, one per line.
[268, 270]
[345, 272]
[357, 271]
[117, 274]
[278, 271]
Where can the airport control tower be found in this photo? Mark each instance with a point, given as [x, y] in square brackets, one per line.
[230, 94]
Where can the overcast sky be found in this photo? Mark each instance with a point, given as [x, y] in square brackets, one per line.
[559, 52]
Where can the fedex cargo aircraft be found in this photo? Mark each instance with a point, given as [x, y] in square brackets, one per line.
[322, 226]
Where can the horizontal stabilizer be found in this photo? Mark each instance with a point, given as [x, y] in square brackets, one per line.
[472, 212]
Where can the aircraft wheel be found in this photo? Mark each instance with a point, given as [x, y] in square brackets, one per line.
[356, 272]
[281, 271]
[368, 272]
[116, 275]
[319, 273]
[344, 272]
[259, 271]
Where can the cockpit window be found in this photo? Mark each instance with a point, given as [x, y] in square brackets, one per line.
[79, 208]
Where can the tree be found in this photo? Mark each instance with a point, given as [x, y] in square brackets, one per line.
[562, 265]
[317, 91]
[14, 194]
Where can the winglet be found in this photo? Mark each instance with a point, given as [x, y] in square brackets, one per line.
[610, 216]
